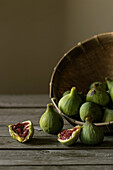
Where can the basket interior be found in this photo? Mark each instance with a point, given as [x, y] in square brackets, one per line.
[88, 61]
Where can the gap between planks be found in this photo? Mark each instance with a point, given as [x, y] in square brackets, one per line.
[51, 143]
[24, 101]
[62, 167]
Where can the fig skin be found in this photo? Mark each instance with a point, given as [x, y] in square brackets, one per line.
[65, 93]
[98, 95]
[72, 140]
[111, 94]
[92, 110]
[108, 115]
[82, 96]
[21, 139]
[51, 122]
[102, 85]
[109, 83]
[70, 103]
[91, 134]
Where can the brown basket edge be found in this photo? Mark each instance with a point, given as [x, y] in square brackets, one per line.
[77, 45]
[108, 126]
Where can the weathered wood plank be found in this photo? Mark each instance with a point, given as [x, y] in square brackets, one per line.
[56, 157]
[10, 116]
[46, 141]
[24, 100]
[57, 167]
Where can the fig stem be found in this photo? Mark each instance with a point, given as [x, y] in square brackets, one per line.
[88, 119]
[73, 91]
[50, 106]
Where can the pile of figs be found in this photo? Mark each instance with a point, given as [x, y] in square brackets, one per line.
[94, 107]
[96, 104]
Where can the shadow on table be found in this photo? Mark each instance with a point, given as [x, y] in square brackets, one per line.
[42, 141]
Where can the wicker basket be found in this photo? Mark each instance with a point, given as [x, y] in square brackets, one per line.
[89, 61]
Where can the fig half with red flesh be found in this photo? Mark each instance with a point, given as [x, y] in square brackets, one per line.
[22, 132]
[69, 137]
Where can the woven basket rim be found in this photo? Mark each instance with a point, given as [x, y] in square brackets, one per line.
[65, 54]
[73, 121]
[107, 124]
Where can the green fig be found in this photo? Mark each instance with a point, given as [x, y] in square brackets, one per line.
[101, 84]
[109, 83]
[70, 103]
[91, 134]
[108, 115]
[22, 132]
[92, 110]
[51, 122]
[66, 92]
[82, 96]
[69, 137]
[111, 94]
[98, 95]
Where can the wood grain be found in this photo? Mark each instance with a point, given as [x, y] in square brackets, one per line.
[56, 157]
[44, 141]
[37, 101]
[44, 151]
[57, 167]
[12, 115]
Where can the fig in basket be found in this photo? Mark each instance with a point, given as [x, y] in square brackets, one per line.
[51, 122]
[98, 96]
[92, 110]
[22, 132]
[82, 96]
[65, 93]
[109, 83]
[69, 137]
[108, 115]
[70, 103]
[102, 85]
[111, 95]
[91, 134]
[110, 87]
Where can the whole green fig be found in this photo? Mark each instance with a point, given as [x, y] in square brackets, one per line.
[51, 122]
[91, 134]
[92, 110]
[101, 84]
[98, 96]
[109, 83]
[70, 103]
[108, 115]
[82, 96]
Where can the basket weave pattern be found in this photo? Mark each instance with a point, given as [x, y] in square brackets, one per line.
[88, 61]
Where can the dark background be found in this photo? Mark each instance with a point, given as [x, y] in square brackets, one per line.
[34, 35]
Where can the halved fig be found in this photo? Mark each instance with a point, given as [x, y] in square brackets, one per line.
[22, 132]
[69, 137]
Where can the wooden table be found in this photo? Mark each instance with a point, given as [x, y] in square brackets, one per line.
[44, 151]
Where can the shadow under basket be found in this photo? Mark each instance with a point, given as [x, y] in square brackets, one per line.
[87, 62]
